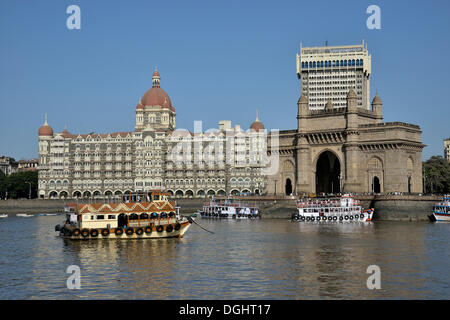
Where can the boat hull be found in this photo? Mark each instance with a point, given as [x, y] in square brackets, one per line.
[228, 216]
[155, 233]
[440, 217]
[357, 217]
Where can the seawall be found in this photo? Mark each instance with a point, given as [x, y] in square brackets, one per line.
[403, 208]
[387, 207]
[32, 206]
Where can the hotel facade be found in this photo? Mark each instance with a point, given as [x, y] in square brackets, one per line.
[228, 160]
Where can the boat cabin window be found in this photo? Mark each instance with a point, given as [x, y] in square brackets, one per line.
[111, 217]
[143, 197]
[100, 217]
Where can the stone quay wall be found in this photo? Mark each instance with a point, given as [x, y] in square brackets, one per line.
[387, 207]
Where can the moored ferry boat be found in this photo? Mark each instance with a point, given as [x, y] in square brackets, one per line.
[342, 209]
[137, 215]
[228, 210]
[441, 210]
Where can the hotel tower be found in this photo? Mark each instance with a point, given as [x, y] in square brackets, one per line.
[328, 73]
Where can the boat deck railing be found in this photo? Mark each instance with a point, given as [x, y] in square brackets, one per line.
[230, 203]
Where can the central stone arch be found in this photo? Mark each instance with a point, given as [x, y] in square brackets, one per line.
[328, 172]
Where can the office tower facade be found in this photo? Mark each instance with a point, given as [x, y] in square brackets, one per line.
[328, 73]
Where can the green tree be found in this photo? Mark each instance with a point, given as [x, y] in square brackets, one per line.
[436, 175]
[3, 180]
[18, 186]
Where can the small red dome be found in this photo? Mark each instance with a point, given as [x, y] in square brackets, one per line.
[66, 134]
[45, 130]
[257, 126]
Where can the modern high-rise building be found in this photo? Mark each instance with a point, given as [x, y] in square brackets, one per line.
[328, 73]
[447, 149]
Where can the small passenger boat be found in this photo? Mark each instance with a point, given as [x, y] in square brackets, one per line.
[441, 210]
[137, 215]
[3, 215]
[341, 209]
[24, 215]
[228, 210]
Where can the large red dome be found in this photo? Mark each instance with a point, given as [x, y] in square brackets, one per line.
[156, 97]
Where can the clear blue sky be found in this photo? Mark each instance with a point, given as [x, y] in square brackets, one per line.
[217, 59]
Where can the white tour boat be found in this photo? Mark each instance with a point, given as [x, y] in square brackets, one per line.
[3, 215]
[24, 215]
[137, 215]
[342, 209]
[441, 210]
[228, 210]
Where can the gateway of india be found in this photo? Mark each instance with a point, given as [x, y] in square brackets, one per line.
[341, 144]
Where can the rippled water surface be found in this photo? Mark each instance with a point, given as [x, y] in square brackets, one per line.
[265, 259]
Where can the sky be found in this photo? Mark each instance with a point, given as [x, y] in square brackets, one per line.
[218, 60]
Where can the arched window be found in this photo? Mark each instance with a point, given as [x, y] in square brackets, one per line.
[409, 164]
[375, 163]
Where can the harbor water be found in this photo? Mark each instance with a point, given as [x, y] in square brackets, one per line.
[257, 259]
